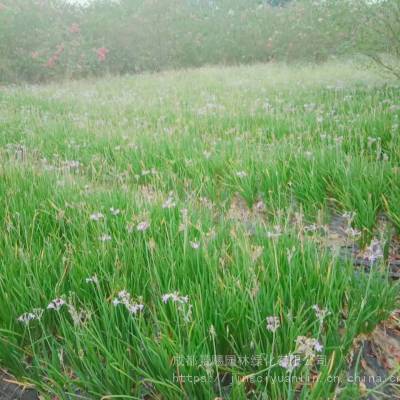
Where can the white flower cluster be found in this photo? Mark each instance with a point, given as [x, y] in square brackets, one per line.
[27, 317]
[320, 313]
[273, 323]
[305, 346]
[92, 279]
[182, 303]
[143, 226]
[125, 299]
[169, 202]
[308, 346]
[36, 313]
[56, 304]
[290, 362]
[174, 297]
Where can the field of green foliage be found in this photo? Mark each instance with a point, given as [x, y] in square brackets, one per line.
[168, 236]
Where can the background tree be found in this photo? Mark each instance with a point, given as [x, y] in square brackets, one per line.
[381, 34]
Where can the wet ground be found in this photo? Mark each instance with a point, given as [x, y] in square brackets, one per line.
[11, 390]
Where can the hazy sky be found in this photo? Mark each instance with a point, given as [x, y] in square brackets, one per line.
[88, 1]
[79, 1]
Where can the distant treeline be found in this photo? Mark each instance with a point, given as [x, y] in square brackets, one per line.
[51, 39]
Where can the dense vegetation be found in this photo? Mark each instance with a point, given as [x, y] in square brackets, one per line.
[179, 224]
[225, 232]
[48, 39]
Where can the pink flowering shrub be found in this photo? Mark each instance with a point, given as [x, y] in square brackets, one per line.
[102, 54]
[74, 28]
[43, 40]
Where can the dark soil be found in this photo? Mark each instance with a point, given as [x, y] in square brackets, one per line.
[9, 390]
